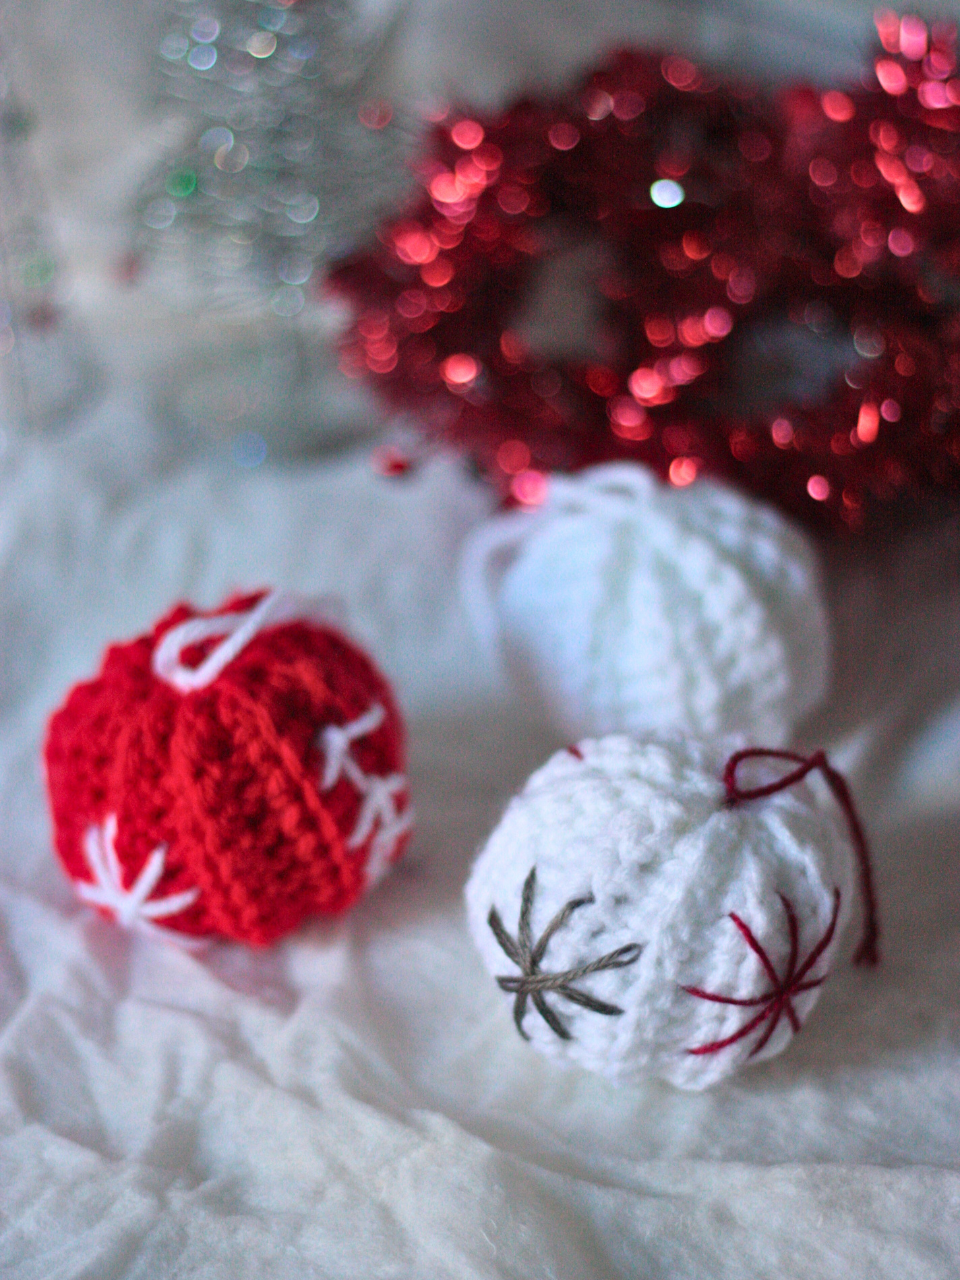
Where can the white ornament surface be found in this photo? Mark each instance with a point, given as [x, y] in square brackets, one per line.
[639, 837]
[639, 607]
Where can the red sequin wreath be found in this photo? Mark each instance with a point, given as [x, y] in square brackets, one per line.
[229, 774]
[737, 232]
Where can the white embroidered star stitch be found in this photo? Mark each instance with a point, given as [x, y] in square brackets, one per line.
[133, 908]
[336, 740]
[378, 808]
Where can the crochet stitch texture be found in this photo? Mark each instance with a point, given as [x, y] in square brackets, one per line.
[636, 607]
[219, 810]
[724, 919]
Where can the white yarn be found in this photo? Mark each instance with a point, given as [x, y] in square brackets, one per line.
[134, 908]
[642, 829]
[237, 629]
[641, 607]
[379, 809]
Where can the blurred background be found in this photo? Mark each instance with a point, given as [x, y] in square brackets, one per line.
[175, 175]
[197, 321]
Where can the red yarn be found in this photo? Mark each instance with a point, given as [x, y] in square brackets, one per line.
[778, 1001]
[867, 951]
[227, 779]
[723, 212]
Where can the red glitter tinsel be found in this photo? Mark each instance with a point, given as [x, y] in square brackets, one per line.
[721, 212]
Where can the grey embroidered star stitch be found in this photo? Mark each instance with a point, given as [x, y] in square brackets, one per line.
[527, 955]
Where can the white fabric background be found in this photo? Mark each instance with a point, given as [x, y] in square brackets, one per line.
[355, 1101]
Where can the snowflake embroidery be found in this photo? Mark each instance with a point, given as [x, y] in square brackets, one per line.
[378, 808]
[778, 1001]
[133, 908]
[527, 955]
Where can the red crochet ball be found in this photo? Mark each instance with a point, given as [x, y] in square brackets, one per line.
[229, 773]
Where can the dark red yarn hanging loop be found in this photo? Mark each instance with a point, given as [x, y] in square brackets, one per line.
[867, 950]
[718, 214]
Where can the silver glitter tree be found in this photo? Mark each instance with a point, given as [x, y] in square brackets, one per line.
[287, 162]
[48, 371]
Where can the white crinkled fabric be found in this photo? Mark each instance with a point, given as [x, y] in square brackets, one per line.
[638, 607]
[667, 883]
[355, 1101]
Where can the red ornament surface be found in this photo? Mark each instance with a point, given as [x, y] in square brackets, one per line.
[260, 818]
[719, 212]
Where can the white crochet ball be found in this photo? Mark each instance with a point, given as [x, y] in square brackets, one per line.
[638, 924]
[639, 607]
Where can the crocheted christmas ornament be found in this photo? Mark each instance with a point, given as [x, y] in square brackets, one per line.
[230, 773]
[639, 607]
[646, 914]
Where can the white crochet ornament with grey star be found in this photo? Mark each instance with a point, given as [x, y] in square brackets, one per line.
[634, 606]
[636, 922]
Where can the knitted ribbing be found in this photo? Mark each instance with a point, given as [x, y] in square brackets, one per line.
[638, 922]
[229, 780]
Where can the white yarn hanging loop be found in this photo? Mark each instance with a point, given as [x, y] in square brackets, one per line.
[478, 559]
[612, 490]
[237, 629]
[633, 605]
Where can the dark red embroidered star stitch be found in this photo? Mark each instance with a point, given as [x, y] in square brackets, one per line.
[778, 1001]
